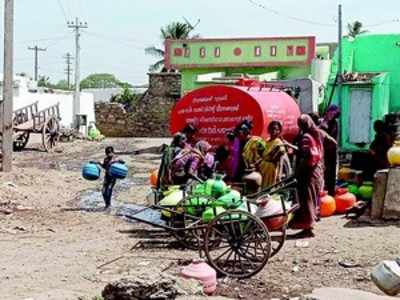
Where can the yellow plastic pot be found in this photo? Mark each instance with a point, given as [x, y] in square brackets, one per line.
[394, 154]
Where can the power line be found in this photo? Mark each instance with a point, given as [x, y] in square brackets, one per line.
[118, 38]
[55, 43]
[63, 11]
[121, 42]
[68, 8]
[396, 20]
[84, 8]
[44, 39]
[278, 13]
[51, 58]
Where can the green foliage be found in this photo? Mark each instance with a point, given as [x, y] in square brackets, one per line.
[102, 80]
[355, 29]
[44, 81]
[62, 85]
[127, 98]
[175, 31]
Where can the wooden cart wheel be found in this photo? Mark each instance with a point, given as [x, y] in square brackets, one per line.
[50, 133]
[244, 244]
[21, 140]
[190, 239]
[194, 239]
[277, 240]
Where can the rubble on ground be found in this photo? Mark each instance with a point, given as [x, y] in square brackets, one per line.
[143, 287]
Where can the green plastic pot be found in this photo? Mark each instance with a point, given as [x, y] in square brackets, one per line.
[366, 191]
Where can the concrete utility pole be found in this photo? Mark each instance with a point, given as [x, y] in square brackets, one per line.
[76, 105]
[36, 49]
[340, 58]
[340, 61]
[7, 103]
[68, 57]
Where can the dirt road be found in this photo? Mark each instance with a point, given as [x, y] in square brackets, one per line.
[50, 249]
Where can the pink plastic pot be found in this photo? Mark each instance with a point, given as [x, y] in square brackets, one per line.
[204, 273]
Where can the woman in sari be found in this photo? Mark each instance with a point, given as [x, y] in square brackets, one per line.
[252, 149]
[309, 175]
[233, 145]
[190, 131]
[330, 126]
[177, 145]
[192, 163]
[271, 164]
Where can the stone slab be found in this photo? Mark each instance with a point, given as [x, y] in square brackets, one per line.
[392, 198]
[378, 199]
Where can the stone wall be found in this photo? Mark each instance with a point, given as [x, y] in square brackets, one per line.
[149, 117]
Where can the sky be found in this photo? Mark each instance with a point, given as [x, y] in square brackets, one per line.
[119, 30]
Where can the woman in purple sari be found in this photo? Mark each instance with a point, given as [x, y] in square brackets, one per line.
[234, 155]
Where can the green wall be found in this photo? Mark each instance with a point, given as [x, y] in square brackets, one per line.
[373, 53]
[368, 54]
[379, 108]
[189, 76]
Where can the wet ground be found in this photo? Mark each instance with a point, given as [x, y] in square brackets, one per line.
[59, 244]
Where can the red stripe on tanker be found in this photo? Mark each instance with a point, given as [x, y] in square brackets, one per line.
[219, 108]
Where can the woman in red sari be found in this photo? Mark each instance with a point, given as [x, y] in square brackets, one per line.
[309, 174]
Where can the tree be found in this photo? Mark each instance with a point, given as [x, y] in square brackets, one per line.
[62, 85]
[102, 80]
[44, 81]
[126, 98]
[355, 29]
[175, 31]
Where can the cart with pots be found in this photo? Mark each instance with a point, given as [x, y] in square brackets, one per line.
[236, 242]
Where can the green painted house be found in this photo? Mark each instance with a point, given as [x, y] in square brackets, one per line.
[371, 86]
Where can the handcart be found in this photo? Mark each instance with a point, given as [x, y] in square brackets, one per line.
[236, 242]
[29, 119]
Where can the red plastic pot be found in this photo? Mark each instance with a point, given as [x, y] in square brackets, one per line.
[328, 205]
[344, 200]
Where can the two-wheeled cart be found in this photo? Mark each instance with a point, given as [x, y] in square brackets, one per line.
[29, 120]
[236, 242]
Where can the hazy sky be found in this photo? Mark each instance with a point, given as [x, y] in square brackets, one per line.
[119, 30]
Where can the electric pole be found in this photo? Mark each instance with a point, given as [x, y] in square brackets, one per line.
[36, 49]
[340, 34]
[7, 103]
[340, 61]
[68, 57]
[77, 26]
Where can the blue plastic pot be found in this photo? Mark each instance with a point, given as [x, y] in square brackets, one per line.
[91, 171]
[118, 171]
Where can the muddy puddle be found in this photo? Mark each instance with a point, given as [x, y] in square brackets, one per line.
[92, 201]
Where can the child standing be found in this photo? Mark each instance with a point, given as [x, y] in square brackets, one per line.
[109, 181]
